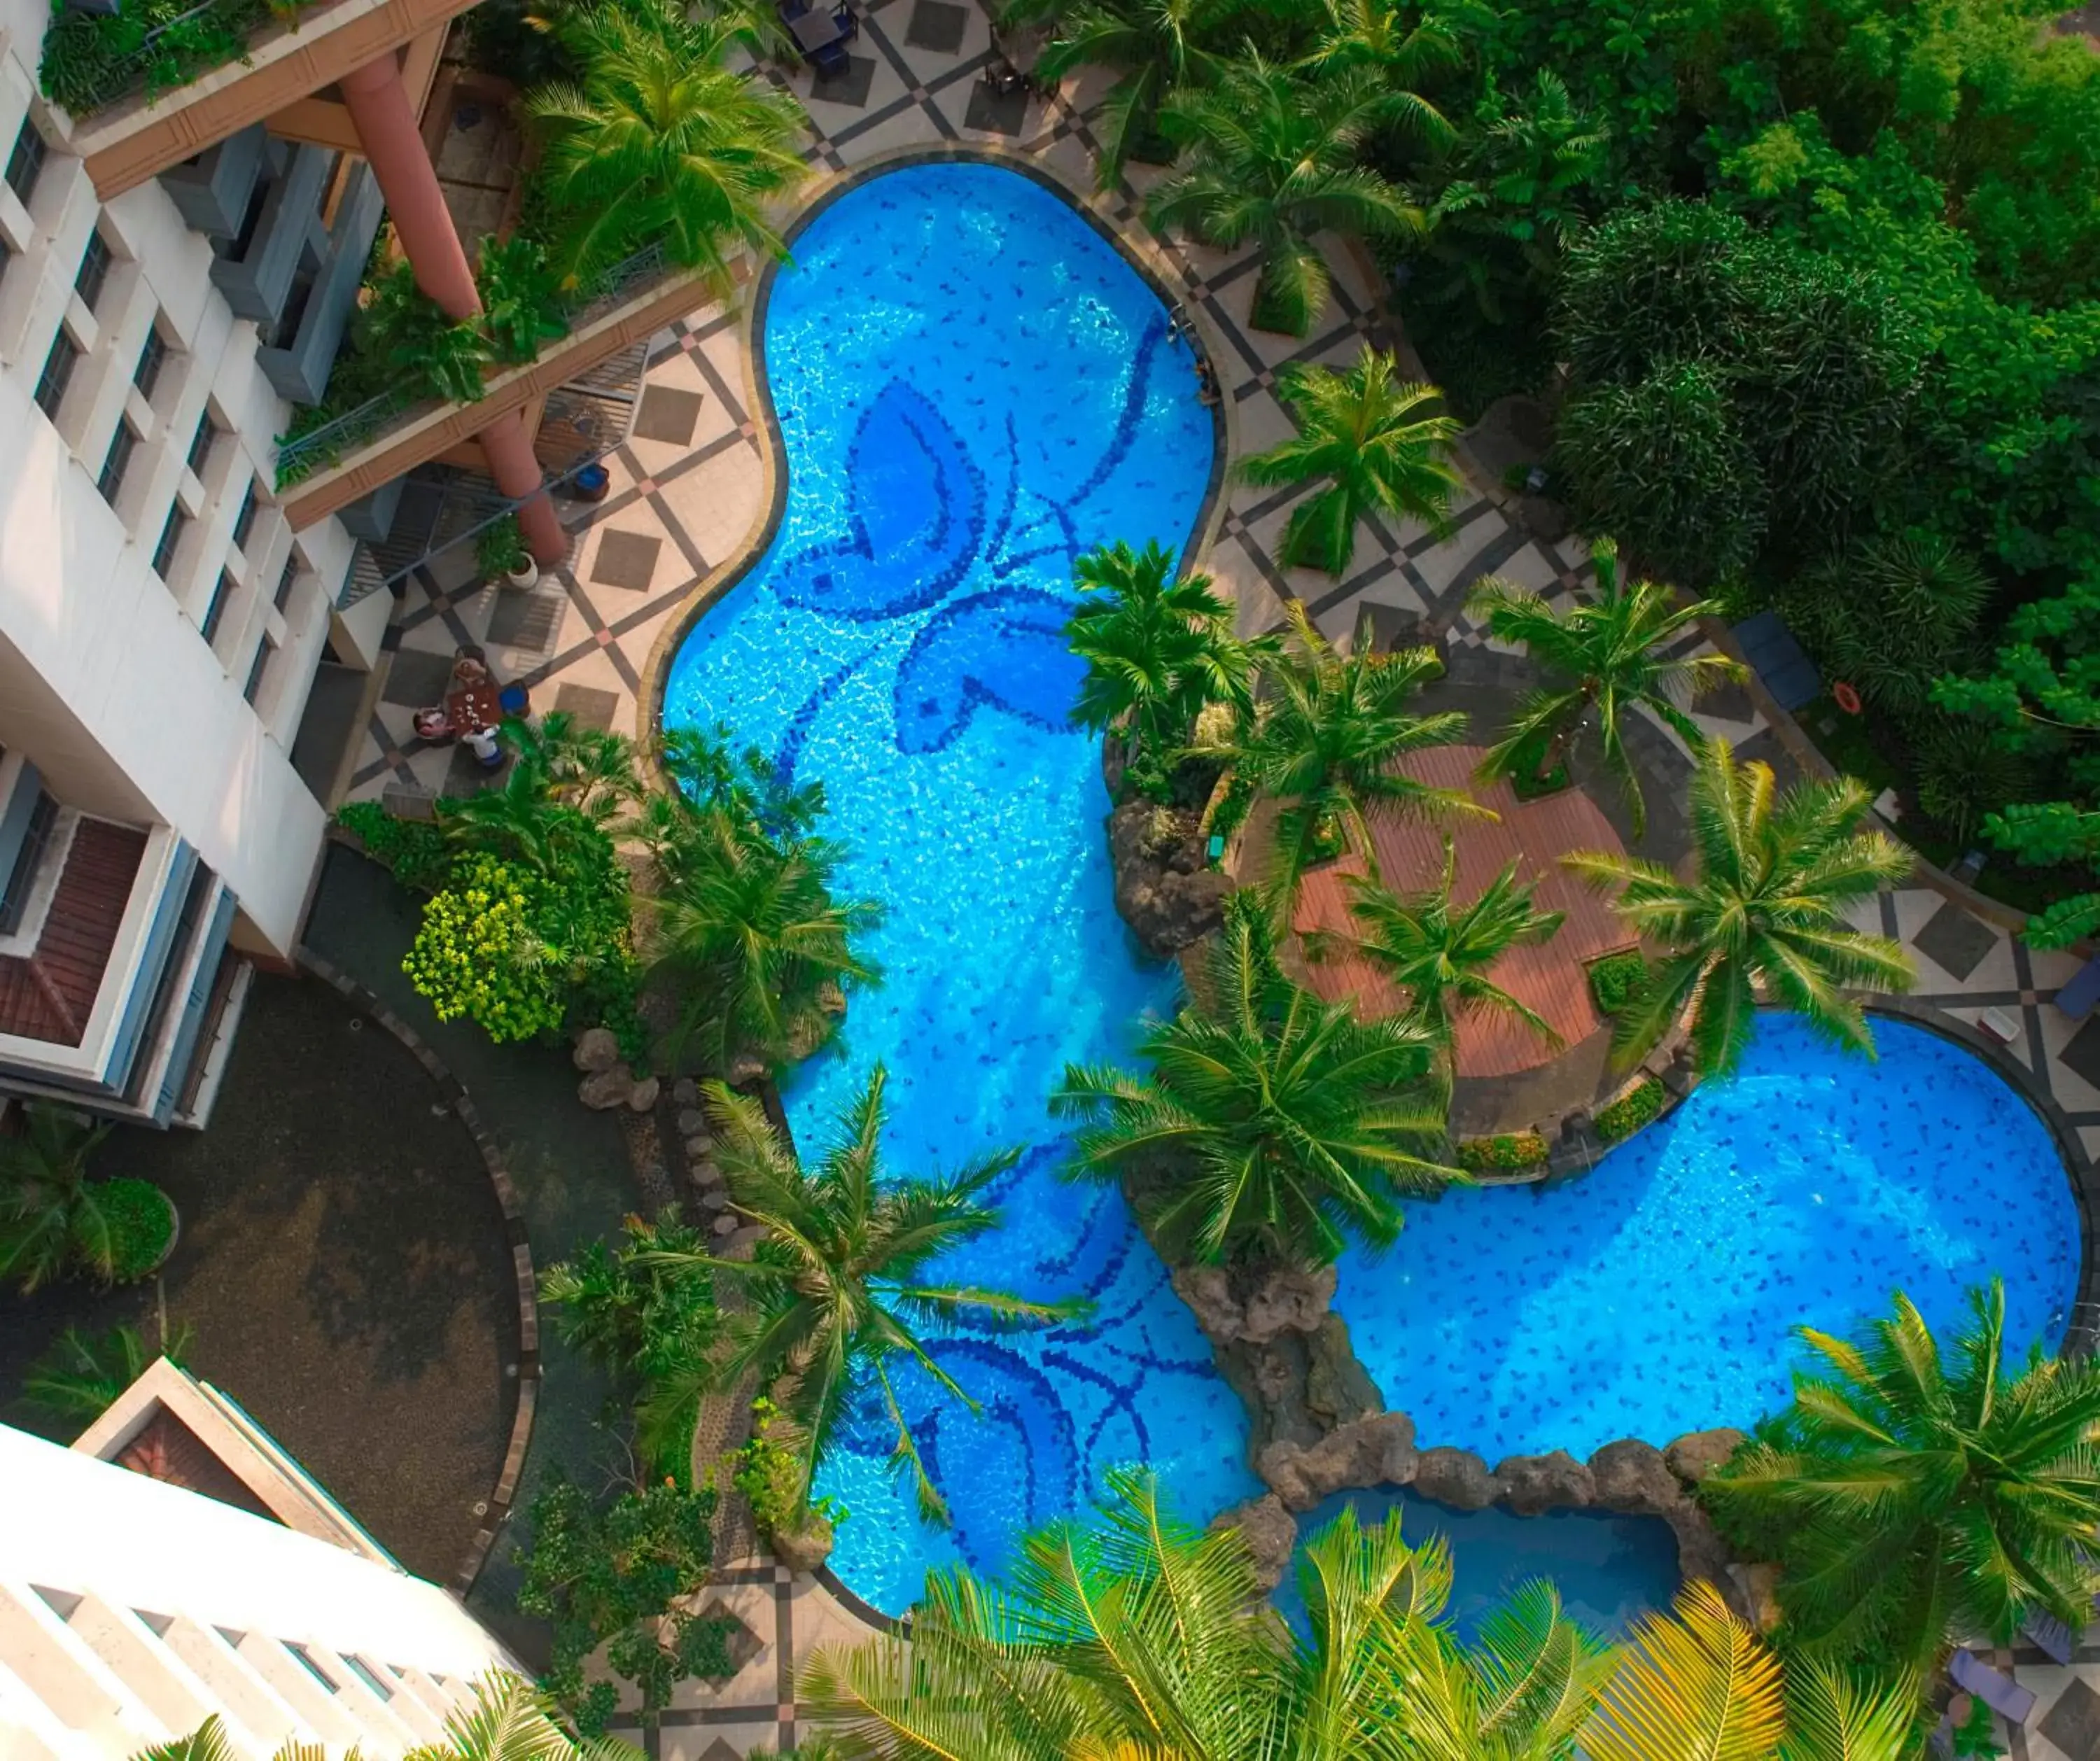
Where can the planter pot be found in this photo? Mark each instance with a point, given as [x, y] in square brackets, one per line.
[525, 575]
[174, 1239]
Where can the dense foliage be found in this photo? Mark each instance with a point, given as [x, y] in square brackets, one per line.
[1616, 979]
[54, 1220]
[1638, 1107]
[80, 1373]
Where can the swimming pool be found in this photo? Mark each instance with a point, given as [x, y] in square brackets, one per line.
[1609, 1569]
[972, 385]
[1657, 1295]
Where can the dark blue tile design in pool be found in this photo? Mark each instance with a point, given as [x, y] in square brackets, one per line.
[972, 387]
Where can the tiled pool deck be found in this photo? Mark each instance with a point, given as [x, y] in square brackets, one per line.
[689, 492]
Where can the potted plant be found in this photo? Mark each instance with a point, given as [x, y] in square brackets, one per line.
[500, 550]
[54, 1220]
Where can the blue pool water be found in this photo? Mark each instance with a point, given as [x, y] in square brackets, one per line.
[1657, 1295]
[1610, 1570]
[972, 385]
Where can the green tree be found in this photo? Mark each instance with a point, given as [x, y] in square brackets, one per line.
[1440, 952]
[1267, 1122]
[80, 1373]
[1403, 44]
[1913, 1501]
[1767, 906]
[661, 141]
[1610, 656]
[836, 1286]
[1378, 443]
[1160, 649]
[1327, 744]
[518, 307]
[52, 1217]
[1272, 160]
[1890, 616]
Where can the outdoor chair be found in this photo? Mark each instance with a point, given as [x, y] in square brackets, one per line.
[2077, 998]
[1992, 1686]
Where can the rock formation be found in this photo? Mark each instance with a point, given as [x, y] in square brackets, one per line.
[1165, 889]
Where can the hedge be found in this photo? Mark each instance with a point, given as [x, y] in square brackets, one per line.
[1509, 1149]
[141, 1222]
[1614, 980]
[1635, 1108]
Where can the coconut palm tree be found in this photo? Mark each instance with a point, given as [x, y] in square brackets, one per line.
[836, 1286]
[78, 1376]
[1381, 445]
[1272, 160]
[1402, 44]
[1269, 1120]
[752, 941]
[1328, 740]
[52, 1218]
[1127, 1637]
[660, 140]
[1159, 648]
[1612, 652]
[1914, 1503]
[1441, 953]
[1766, 905]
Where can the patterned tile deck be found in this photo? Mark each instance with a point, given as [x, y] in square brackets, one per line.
[689, 490]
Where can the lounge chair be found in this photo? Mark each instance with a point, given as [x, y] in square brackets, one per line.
[1998, 1690]
[2051, 1636]
[2077, 998]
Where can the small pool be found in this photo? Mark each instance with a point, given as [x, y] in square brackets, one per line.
[1657, 1295]
[1609, 1569]
[972, 385]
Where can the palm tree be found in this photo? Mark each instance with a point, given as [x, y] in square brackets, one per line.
[1158, 47]
[1381, 35]
[1269, 1119]
[1382, 445]
[662, 141]
[1159, 648]
[1766, 905]
[1440, 954]
[51, 1214]
[1612, 653]
[752, 940]
[1272, 161]
[837, 1284]
[1912, 1503]
[1127, 1638]
[1330, 739]
[82, 1373]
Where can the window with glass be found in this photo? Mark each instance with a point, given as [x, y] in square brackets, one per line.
[256, 671]
[152, 358]
[221, 592]
[201, 443]
[171, 540]
[94, 270]
[244, 521]
[26, 162]
[122, 445]
[285, 580]
[21, 878]
[57, 375]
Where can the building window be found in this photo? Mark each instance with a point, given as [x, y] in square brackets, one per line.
[121, 445]
[152, 358]
[7, 257]
[284, 581]
[263, 655]
[244, 521]
[171, 539]
[220, 593]
[201, 443]
[57, 375]
[21, 881]
[26, 162]
[94, 270]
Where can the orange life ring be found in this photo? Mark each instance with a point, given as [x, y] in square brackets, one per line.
[1846, 697]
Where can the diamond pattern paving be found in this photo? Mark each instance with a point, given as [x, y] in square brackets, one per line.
[936, 25]
[668, 414]
[587, 707]
[2073, 1722]
[626, 559]
[526, 619]
[849, 87]
[1955, 940]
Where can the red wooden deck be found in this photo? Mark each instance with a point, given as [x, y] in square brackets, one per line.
[1549, 978]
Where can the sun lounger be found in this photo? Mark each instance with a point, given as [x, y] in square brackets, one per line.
[1993, 1686]
[2077, 998]
[2052, 1636]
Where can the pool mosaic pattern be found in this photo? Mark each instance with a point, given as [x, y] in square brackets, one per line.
[972, 385]
[1657, 1295]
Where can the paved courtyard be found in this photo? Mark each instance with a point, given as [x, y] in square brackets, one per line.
[689, 492]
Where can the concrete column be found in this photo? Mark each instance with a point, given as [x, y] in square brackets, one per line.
[386, 125]
[508, 443]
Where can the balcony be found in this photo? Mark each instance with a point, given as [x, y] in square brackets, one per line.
[140, 108]
[365, 449]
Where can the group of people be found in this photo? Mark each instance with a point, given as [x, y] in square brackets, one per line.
[471, 683]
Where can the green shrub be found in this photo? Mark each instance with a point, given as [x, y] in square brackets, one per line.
[82, 1373]
[500, 548]
[1509, 1149]
[769, 1472]
[142, 1223]
[413, 851]
[476, 954]
[1615, 979]
[1638, 1107]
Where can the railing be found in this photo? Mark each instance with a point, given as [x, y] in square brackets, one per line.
[86, 67]
[300, 456]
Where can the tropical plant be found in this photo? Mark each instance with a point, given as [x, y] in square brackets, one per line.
[1126, 1638]
[1272, 162]
[1330, 739]
[519, 309]
[420, 345]
[1269, 1123]
[1380, 445]
[837, 1284]
[1612, 655]
[1403, 45]
[475, 953]
[616, 1572]
[499, 548]
[1156, 47]
[80, 1373]
[1890, 616]
[660, 140]
[53, 1218]
[1160, 649]
[1639, 1105]
[1440, 952]
[650, 1321]
[1767, 906]
[710, 770]
[1912, 1501]
[413, 851]
[752, 941]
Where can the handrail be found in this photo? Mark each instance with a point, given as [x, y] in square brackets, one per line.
[299, 456]
[189, 45]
